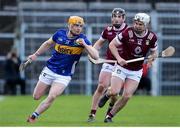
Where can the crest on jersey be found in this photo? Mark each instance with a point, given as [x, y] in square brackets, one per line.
[147, 42]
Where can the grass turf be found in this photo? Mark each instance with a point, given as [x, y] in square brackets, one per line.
[73, 110]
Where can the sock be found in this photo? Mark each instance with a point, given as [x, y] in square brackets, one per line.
[35, 115]
[109, 115]
[111, 105]
[93, 111]
[109, 108]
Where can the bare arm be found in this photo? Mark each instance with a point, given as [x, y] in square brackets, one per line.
[153, 55]
[99, 43]
[113, 47]
[44, 47]
[90, 50]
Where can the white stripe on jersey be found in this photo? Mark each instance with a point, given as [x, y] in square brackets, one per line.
[118, 38]
[153, 49]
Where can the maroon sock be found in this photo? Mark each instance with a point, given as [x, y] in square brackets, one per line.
[109, 114]
[93, 111]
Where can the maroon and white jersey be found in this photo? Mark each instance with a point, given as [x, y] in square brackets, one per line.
[134, 46]
[109, 34]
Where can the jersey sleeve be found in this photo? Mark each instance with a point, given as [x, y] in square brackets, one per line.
[104, 34]
[55, 36]
[87, 41]
[121, 37]
[153, 44]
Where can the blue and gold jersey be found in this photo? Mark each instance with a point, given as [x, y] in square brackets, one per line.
[66, 53]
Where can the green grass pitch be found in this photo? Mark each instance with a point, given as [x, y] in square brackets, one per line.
[73, 110]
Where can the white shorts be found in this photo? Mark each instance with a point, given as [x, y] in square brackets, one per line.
[107, 68]
[48, 77]
[125, 73]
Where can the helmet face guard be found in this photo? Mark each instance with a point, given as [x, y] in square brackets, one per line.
[142, 17]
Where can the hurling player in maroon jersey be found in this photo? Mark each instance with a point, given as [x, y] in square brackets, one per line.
[136, 42]
[108, 34]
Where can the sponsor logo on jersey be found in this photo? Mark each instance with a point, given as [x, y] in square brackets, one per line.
[139, 41]
[137, 55]
[138, 50]
[64, 49]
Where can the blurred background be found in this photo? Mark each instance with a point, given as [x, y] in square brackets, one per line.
[26, 24]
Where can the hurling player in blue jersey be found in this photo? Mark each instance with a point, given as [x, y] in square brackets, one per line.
[68, 47]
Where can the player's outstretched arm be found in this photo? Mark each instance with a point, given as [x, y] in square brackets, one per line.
[98, 44]
[44, 47]
[113, 47]
[92, 52]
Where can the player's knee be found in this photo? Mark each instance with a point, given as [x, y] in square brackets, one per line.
[52, 97]
[112, 92]
[103, 83]
[36, 96]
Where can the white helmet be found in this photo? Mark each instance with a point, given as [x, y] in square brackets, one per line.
[143, 17]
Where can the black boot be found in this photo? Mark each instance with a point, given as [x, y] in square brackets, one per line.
[108, 120]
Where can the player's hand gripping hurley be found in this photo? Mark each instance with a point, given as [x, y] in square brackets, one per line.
[165, 53]
[24, 65]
